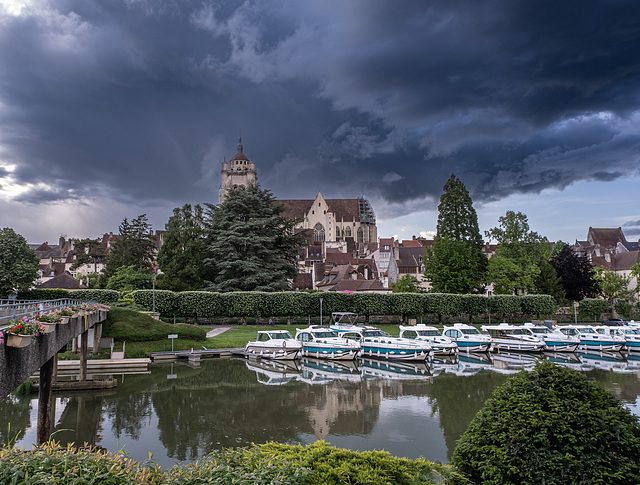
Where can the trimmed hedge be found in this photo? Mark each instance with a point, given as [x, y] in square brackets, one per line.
[255, 304]
[101, 296]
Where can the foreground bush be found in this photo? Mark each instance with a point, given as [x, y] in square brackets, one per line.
[260, 464]
[551, 425]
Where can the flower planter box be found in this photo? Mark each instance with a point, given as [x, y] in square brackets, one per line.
[64, 320]
[49, 327]
[18, 341]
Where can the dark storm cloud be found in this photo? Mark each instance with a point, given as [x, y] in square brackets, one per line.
[140, 100]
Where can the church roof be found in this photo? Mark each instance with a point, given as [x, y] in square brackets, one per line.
[606, 237]
[240, 155]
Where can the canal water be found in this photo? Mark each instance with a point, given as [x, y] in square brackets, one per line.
[180, 413]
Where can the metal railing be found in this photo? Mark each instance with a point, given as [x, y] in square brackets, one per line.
[16, 309]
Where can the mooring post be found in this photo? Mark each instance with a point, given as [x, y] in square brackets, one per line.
[97, 335]
[84, 343]
[45, 400]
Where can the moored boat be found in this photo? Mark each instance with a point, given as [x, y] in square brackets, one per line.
[274, 344]
[376, 343]
[441, 345]
[467, 338]
[590, 339]
[506, 336]
[554, 340]
[324, 343]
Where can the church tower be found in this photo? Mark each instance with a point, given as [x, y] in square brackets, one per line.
[237, 172]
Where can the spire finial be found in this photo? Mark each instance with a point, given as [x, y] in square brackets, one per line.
[240, 142]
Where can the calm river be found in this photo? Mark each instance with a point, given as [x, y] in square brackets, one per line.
[181, 413]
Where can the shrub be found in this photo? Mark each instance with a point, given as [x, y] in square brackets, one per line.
[552, 425]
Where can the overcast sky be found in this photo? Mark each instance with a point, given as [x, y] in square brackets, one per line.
[111, 109]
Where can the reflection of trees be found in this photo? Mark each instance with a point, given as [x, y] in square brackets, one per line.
[126, 411]
[624, 386]
[224, 406]
[80, 419]
[14, 411]
[457, 400]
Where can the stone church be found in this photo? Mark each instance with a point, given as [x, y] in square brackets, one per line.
[330, 220]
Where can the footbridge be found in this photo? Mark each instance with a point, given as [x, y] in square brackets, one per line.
[18, 364]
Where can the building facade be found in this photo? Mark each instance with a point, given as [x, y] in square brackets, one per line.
[237, 172]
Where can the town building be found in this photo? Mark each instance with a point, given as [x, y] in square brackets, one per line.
[237, 172]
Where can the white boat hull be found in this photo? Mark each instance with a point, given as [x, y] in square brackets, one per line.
[272, 352]
[330, 352]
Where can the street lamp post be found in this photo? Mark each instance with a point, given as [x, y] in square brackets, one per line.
[320, 311]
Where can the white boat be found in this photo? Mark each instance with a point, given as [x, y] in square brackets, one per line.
[273, 344]
[554, 339]
[631, 339]
[324, 343]
[506, 336]
[467, 338]
[441, 345]
[378, 344]
[592, 340]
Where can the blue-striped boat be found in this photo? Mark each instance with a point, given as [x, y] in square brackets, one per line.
[324, 343]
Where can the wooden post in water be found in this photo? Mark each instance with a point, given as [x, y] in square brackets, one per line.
[84, 343]
[45, 400]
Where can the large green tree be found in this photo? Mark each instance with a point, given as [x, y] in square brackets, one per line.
[456, 264]
[576, 273]
[251, 245]
[88, 251]
[519, 252]
[184, 249]
[18, 263]
[134, 246]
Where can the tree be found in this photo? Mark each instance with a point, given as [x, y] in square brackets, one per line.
[251, 246]
[18, 263]
[134, 247]
[523, 248]
[407, 284]
[130, 278]
[88, 251]
[456, 263]
[576, 274]
[613, 286]
[551, 425]
[548, 282]
[181, 257]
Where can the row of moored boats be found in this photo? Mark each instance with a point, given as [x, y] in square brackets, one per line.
[347, 341]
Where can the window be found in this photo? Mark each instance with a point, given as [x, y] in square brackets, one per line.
[318, 233]
[347, 232]
[360, 235]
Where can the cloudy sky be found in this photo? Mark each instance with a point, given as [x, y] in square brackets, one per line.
[114, 108]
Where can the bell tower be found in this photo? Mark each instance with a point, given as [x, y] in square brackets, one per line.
[237, 172]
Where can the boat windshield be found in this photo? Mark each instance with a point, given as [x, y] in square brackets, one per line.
[324, 334]
[373, 333]
[540, 330]
[280, 335]
[428, 333]
[587, 330]
[629, 331]
[470, 331]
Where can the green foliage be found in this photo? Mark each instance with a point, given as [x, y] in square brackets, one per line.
[613, 286]
[593, 308]
[130, 278]
[251, 246]
[45, 294]
[519, 252]
[181, 257]
[88, 251]
[548, 282]
[407, 284]
[576, 274]
[330, 465]
[537, 305]
[166, 301]
[18, 263]
[123, 323]
[270, 463]
[505, 306]
[134, 247]
[456, 264]
[551, 425]
[106, 297]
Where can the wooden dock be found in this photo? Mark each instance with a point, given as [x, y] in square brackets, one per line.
[194, 355]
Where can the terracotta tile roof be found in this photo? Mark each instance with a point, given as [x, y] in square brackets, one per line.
[64, 280]
[411, 243]
[606, 237]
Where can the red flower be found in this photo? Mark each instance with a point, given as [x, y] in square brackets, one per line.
[19, 326]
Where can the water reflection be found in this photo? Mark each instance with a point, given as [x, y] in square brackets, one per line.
[180, 413]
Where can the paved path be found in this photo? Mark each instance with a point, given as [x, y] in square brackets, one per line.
[218, 330]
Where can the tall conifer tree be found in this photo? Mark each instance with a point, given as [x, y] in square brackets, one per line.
[456, 263]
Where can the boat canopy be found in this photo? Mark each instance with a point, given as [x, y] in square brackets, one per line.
[347, 318]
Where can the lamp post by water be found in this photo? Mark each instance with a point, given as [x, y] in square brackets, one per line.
[154, 293]
[320, 311]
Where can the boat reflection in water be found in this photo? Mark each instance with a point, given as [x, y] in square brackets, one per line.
[512, 362]
[395, 369]
[321, 371]
[274, 372]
